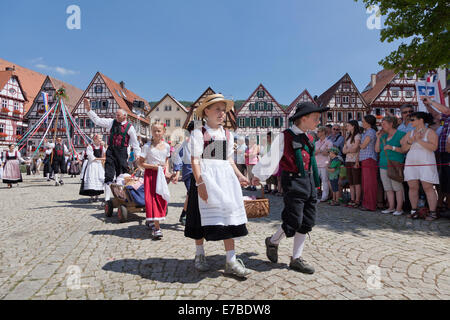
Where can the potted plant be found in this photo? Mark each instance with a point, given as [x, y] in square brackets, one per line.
[17, 112]
[4, 110]
[3, 135]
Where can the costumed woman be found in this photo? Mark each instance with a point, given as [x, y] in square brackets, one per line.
[93, 179]
[11, 167]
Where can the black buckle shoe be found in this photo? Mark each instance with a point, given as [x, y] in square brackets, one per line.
[300, 265]
[271, 250]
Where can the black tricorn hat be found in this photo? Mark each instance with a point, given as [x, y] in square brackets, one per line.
[306, 108]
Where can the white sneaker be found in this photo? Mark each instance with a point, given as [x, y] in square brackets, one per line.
[200, 263]
[398, 213]
[388, 211]
[236, 268]
[157, 234]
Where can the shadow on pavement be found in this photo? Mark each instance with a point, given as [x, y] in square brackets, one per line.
[82, 203]
[171, 270]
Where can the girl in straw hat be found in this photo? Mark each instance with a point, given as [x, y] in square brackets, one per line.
[216, 207]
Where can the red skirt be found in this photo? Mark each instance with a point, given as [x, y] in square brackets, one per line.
[155, 205]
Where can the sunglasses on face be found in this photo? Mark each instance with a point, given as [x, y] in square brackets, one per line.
[407, 112]
[335, 129]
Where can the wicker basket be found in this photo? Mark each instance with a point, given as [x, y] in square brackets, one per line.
[257, 208]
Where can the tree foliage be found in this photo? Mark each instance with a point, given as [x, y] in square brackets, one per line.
[425, 23]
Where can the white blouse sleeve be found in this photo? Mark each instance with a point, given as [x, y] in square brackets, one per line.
[196, 143]
[268, 165]
[90, 153]
[19, 157]
[101, 122]
[144, 152]
[167, 150]
[230, 145]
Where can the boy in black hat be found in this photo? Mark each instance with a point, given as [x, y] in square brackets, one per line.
[293, 151]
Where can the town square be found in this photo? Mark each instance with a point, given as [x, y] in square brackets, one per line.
[251, 151]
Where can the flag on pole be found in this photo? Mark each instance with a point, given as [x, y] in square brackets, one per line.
[431, 78]
[45, 99]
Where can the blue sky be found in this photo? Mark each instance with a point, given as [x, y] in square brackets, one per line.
[182, 47]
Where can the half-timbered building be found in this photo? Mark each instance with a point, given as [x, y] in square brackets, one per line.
[345, 102]
[388, 91]
[37, 110]
[12, 100]
[303, 97]
[106, 97]
[230, 120]
[261, 114]
[30, 80]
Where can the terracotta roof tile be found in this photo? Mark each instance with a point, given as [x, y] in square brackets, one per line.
[73, 93]
[4, 78]
[384, 77]
[30, 80]
[125, 103]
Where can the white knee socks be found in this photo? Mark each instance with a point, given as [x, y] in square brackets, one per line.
[299, 244]
[231, 256]
[107, 192]
[200, 250]
[278, 236]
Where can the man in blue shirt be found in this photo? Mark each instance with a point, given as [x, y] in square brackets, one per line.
[336, 138]
[406, 126]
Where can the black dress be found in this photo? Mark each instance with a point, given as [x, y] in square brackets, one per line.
[194, 228]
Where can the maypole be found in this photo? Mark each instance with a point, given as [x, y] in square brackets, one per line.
[58, 106]
[59, 95]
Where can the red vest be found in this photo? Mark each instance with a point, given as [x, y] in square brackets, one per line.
[287, 162]
[119, 134]
[58, 151]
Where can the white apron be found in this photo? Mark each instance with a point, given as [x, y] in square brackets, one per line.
[225, 204]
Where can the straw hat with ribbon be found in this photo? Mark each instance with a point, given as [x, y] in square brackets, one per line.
[210, 100]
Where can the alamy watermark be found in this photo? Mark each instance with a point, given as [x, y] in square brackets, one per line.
[73, 281]
[374, 21]
[374, 278]
[73, 22]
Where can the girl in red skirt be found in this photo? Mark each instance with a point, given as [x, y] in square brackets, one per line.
[154, 159]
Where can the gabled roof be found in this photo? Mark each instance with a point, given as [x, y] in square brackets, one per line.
[384, 77]
[253, 93]
[193, 106]
[295, 102]
[73, 93]
[4, 78]
[325, 97]
[30, 80]
[175, 100]
[125, 102]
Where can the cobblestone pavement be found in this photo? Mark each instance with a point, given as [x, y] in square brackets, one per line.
[49, 235]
